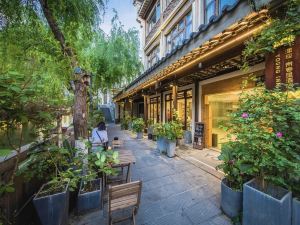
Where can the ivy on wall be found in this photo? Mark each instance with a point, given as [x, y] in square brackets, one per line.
[279, 31]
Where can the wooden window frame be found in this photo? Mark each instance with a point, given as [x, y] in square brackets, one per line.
[217, 9]
[170, 102]
[151, 108]
[178, 32]
[185, 97]
[151, 14]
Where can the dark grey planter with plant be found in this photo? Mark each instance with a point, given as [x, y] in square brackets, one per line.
[232, 184]
[161, 144]
[89, 196]
[187, 137]
[271, 206]
[171, 147]
[231, 200]
[173, 131]
[52, 206]
[138, 127]
[296, 211]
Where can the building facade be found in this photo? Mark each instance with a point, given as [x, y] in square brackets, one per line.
[192, 54]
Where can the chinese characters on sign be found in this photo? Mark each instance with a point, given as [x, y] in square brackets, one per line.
[283, 66]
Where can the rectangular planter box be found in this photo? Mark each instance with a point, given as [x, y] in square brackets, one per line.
[231, 200]
[296, 212]
[89, 200]
[171, 148]
[52, 209]
[260, 208]
[162, 144]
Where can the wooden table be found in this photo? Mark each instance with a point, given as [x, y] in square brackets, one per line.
[126, 157]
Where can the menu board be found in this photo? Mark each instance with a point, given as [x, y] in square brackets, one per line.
[199, 136]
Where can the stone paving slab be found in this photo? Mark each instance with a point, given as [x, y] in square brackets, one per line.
[175, 192]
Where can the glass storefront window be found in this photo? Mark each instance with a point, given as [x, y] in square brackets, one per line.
[220, 106]
[181, 110]
[185, 108]
[168, 107]
[189, 113]
[154, 109]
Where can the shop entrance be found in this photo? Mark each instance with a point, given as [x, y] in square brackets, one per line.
[218, 107]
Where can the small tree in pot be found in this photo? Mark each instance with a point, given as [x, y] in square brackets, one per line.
[91, 191]
[63, 171]
[160, 132]
[138, 127]
[232, 184]
[173, 131]
[266, 125]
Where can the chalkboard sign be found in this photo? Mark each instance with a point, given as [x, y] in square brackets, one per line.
[199, 136]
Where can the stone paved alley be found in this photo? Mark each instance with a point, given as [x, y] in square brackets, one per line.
[175, 192]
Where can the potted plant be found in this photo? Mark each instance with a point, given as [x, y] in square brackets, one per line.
[173, 131]
[296, 211]
[125, 123]
[266, 124]
[90, 193]
[232, 183]
[63, 171]
[138, 127]
[52, 202]
[159, 132]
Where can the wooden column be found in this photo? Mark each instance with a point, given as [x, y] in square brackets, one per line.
[124, 109]
[161, 107]
[174, 96]
[119, 113]
[196, 119]
[131, 108]
[145, 108]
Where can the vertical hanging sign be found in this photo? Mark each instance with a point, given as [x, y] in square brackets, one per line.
[283, 66]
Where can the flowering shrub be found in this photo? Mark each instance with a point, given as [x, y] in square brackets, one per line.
[265, 131]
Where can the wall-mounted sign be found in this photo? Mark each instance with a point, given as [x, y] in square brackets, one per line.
[283, 66]
[199, 136]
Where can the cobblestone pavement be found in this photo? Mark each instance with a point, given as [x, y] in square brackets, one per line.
[175, 192]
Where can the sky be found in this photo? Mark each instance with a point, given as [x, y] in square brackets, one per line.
[126, 12]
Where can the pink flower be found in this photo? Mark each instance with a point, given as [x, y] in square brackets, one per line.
[245, 115]
[279, 134]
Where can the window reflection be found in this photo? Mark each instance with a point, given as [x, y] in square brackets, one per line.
[180, 32]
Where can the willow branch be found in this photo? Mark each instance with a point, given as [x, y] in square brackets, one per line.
[59, 36]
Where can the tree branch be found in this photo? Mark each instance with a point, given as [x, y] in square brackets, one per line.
[59, 36]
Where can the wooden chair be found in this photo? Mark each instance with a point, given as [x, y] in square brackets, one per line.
[123, 175]
[117, 144]
[124, 196]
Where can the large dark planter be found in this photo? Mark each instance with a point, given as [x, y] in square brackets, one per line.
[187, 137]
[296, 212]
[161, 144]
[231, 200]
[272, 207]
[52, 209]
[89, 200]
[171, 147]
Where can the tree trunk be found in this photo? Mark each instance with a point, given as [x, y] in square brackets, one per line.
[80, 105]
[80, 111]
